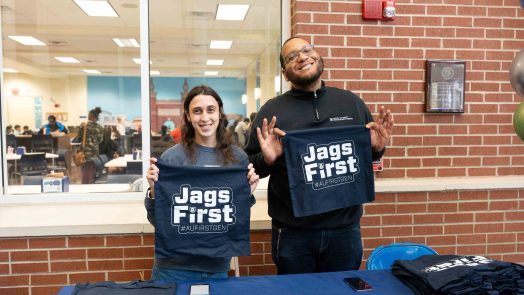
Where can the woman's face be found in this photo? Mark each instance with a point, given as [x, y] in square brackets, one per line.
[204, 116]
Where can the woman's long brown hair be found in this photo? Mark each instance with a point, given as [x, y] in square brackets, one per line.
[224, 141]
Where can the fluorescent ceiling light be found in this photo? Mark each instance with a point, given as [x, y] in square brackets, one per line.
[215, 62]
[154, 72]
[8, 70]
[231, 12]
[67, 59]
[138, 60]
[96, 8]
[27, 40]
[211, 73]
[216, 44]
[91, 71]
[124, 42]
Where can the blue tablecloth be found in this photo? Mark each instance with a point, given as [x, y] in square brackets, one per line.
[383, 282]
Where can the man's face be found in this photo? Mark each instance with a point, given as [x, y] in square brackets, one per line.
[52, 122]
[302, 64]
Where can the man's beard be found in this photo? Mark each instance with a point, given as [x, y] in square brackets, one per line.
[306, 81]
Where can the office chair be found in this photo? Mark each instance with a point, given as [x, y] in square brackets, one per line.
[32, 164]
[10, 140]
[385, 255]
[134, 167]
[133, 173]
[136, 141]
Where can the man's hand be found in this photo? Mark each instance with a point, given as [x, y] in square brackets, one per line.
[381, 129]
[269, 140]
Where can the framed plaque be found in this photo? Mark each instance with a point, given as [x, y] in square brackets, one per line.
[445, 86]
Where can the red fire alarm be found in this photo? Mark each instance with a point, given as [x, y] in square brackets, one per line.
[378, 9]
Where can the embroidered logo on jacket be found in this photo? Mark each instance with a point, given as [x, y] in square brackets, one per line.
[330, 164]
[202, 210]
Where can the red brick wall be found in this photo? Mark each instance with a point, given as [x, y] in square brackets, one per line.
[42, 265]
[384, 62]
[488, 223]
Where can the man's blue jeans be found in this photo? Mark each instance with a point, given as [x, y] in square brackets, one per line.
[316, 250]
[180, 275]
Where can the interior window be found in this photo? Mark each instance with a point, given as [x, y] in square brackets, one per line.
[231, 47]
[71, 82]
[68, 65]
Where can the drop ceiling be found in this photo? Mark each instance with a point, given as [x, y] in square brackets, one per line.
[179, 42]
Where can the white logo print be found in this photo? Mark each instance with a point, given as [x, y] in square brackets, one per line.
[202, 210]
[469, 261]
[330, 164]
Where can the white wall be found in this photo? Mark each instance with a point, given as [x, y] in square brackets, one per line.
[20, 89]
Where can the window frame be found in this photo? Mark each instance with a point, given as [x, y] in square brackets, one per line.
[9, 199]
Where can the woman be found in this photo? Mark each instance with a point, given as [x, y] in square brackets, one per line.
[94, 134]
[109, 146]
[205, 141]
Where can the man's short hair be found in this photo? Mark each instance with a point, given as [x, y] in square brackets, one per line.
[51, 118]
[282, 62]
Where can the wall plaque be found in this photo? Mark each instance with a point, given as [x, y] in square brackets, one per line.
[445, 86]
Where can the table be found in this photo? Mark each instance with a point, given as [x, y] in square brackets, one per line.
[121, 162]
[383, 282]
[16, 157]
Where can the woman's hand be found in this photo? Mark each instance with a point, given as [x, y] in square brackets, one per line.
[152, 174]
[252, 177]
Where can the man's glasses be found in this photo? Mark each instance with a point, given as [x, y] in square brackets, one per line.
[307, 50]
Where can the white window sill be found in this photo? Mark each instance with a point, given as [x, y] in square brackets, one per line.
[125, 213]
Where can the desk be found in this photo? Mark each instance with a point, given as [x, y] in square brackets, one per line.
[119, 164]
[383, 282]
[16, 157]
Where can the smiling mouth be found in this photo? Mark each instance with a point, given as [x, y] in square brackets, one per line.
[306, 67]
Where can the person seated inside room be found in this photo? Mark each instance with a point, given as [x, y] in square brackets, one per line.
[53, 127]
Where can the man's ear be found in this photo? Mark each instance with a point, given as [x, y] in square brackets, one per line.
[285, 76]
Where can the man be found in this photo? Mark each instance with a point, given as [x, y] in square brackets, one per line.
[169, 124]
[241, 130]
[53, 126]
[27, 131]
[325, 242]
[18, 130]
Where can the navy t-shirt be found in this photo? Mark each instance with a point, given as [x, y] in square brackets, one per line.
[202, 211]
[329, 168]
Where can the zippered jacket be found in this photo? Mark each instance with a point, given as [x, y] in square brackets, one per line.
[298, 110]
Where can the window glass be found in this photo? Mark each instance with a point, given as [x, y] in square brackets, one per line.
[66, 66]
[61, 62]
[205, 42]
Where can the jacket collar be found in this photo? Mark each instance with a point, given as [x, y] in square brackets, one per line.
[301, 94]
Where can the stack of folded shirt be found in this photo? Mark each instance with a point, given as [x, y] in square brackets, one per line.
[131, 288]
[453, 274]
